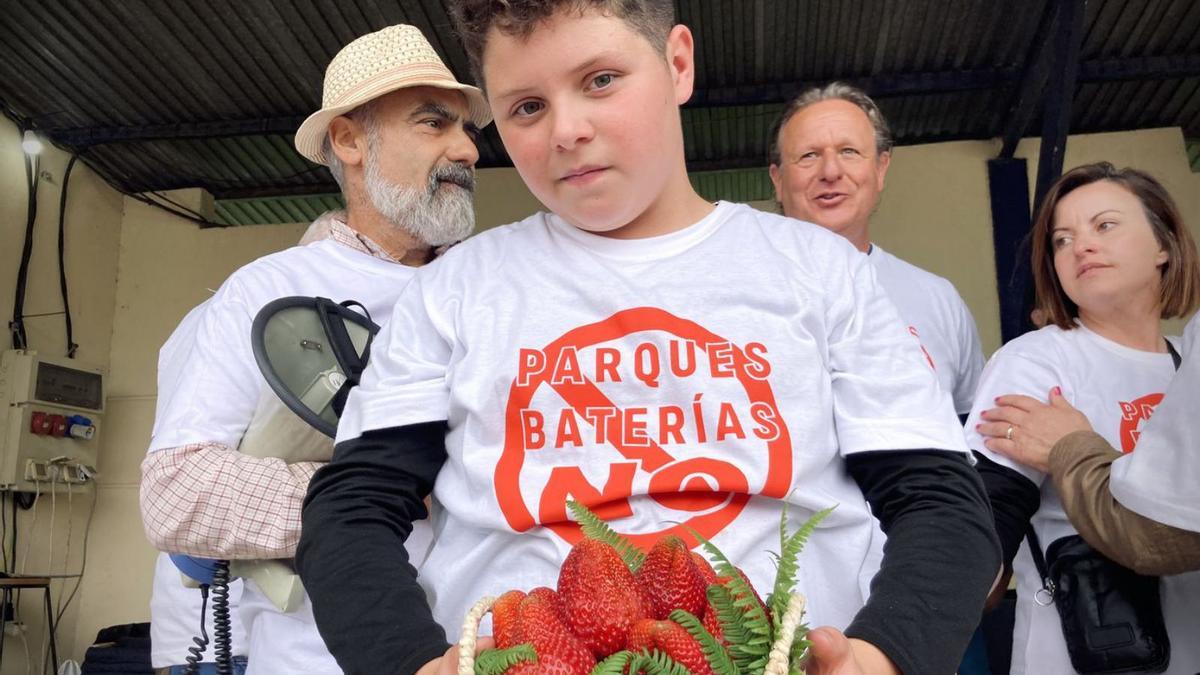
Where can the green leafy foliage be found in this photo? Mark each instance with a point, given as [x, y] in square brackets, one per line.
[656, 663]
[718, 657]
[496, 661]
[749, 640]
[799, 652]
[613, 665]
[753, 620]
[790, 547]
[595, 528]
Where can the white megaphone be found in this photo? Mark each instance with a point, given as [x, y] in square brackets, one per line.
[311, 352]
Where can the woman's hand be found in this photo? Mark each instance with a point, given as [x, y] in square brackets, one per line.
[1024, 429]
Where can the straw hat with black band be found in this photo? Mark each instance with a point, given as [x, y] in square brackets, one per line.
[375, 64]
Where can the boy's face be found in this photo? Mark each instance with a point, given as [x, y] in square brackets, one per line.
[589, 112]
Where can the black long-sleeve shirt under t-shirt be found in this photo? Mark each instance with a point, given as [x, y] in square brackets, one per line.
[940, 559]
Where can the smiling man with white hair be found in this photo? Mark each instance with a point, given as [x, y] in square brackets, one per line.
[397, 131]
[830, 152]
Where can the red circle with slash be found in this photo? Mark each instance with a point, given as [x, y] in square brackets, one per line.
[673, 483]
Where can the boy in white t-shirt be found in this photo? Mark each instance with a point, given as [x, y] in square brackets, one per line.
[674, 363]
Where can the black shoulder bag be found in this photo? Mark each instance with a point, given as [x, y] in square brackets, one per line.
[1111, 617]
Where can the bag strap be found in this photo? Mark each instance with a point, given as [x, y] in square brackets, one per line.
[1035, 546]
[1174, 354]
[1039, 561]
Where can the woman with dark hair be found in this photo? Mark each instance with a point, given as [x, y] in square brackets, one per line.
[1111, 258]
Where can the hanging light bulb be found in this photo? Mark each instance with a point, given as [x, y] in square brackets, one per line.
[30, 143]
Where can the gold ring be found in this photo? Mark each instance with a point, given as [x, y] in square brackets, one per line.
[1008, 434]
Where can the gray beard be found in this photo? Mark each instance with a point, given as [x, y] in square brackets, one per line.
[442, 213]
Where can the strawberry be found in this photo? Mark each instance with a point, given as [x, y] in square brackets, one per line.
[599, 596]
[539, 623]
[504, 618]
[671, 639]
[706, 570]
[670, 578]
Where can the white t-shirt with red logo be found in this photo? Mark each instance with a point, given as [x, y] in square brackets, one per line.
[694, 379]
[1117, 388]
[1161, 480]
[937, 315]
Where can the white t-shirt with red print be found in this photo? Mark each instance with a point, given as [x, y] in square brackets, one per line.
[935, 312]
[1117, 388]
[1162, 479]
[691, 380]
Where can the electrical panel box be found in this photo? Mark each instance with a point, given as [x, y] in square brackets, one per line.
[51, 412]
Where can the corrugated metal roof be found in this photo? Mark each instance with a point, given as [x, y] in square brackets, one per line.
[265, 210]
[736, 185]
[182, 93]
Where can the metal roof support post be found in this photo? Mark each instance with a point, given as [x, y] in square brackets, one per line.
[1008, 186]
[1060, 92]
[1051, 75]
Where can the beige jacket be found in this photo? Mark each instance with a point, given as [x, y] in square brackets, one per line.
[1080, 465]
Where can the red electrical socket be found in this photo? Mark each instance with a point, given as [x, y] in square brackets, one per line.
[39, 424]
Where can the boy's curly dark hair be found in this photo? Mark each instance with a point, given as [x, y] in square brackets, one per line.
[652, 19]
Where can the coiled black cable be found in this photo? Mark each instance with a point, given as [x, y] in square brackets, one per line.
[196, 653]
[222, 635]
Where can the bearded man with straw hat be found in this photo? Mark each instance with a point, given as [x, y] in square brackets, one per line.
[397, 131]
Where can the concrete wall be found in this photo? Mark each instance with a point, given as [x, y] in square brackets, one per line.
[50, 535]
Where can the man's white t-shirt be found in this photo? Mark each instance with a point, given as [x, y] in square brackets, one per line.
[174, 607]
[694, 379]
[937, 315]
[1117, 389]
[219, 389]
[1161, 481]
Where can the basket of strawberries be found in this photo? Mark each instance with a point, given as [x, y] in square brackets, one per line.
[668, 611]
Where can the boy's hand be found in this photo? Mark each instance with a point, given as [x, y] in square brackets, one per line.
[834, 654]
[447, 664]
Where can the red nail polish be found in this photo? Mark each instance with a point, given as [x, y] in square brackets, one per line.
[1058, 391]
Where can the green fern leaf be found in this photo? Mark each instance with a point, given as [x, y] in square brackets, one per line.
[613, 665]
[799, 652]
[756, 627]
[744, 645]
[718, 657]
[656, 663]
[789, 561]
[496, 661]
[756, 621]
[594, 527]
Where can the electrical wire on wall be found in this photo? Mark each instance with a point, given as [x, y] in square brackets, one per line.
[17, 326]
[62, 269]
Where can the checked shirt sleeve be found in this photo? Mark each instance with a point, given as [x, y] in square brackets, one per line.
[208, 500]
